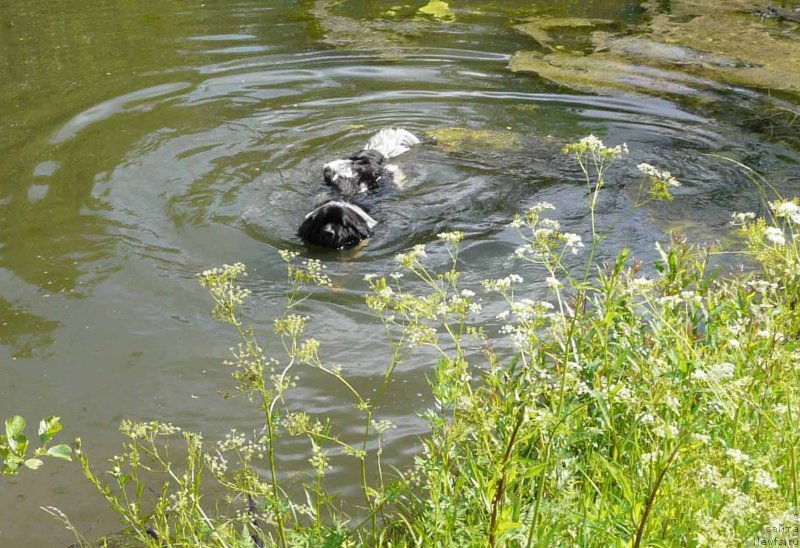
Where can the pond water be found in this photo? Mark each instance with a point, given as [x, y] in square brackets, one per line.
[142, 142]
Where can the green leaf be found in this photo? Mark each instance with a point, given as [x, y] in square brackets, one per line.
[60, 451]
[33, 464]
[15, 426]
[12, 462]
[48, 428]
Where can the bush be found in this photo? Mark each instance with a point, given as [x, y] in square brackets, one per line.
[623, 410]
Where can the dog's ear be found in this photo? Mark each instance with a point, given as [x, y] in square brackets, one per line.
[357, 226]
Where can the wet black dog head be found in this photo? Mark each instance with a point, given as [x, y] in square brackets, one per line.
[337, 224]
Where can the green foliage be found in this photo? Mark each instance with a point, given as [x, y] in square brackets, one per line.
[635, 411]
[14, 445]
[619, 409]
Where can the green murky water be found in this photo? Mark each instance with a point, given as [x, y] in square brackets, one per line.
[141, 142]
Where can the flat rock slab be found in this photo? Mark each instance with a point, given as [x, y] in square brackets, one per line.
[698, 45]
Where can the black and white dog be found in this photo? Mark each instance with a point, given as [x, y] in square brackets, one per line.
[342, 222]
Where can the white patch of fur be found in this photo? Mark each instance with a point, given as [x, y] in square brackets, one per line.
[392, 142]
[340, 168]
[352, 207]
[397, 175]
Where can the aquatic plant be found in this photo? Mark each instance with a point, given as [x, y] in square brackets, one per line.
[626, 407]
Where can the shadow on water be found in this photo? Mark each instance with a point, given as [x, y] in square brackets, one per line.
[143, 142]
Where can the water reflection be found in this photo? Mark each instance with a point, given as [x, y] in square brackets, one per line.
[24, 332]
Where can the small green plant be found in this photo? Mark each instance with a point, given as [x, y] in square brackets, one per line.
[14, 445]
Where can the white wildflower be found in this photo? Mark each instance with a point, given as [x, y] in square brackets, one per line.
[648, 459]
[741, 219]
[550, 224]
[541, 206]
[451, 237]
[780, 409]
[673, 402]
[722, 371]
[642, 283]
[573, 242]
[786, 210]
[775, 235]
[738, 456]
[699, 375]
[663, 176]
[591, 143]
[553, 283]
[669, 301]
[287, 255]
[764, 479]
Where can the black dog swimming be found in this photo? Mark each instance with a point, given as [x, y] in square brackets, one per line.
[342, 223]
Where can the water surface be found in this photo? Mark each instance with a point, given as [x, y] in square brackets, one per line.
[143, 142]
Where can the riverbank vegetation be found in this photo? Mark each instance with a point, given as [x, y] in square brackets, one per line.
[632, 405]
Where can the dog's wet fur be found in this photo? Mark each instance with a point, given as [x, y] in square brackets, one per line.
[343, 222]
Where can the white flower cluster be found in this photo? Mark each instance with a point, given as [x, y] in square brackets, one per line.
[775, 235]
[663, 176]
[231, 270]
[409, 259]
[382, 425]
[312, 271]
[216, 463]
[539, 207]
[451, 237]
[595, 146]
[138, 430]
[528, 309]
[288, 256]
[687, 297]
[553, 283]
[715, 373]
[761, 286]
[785, 209]
[573, 242]
[642, 284]
[741, 219]
[764, 479]
[738, 456]
[502, 285]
